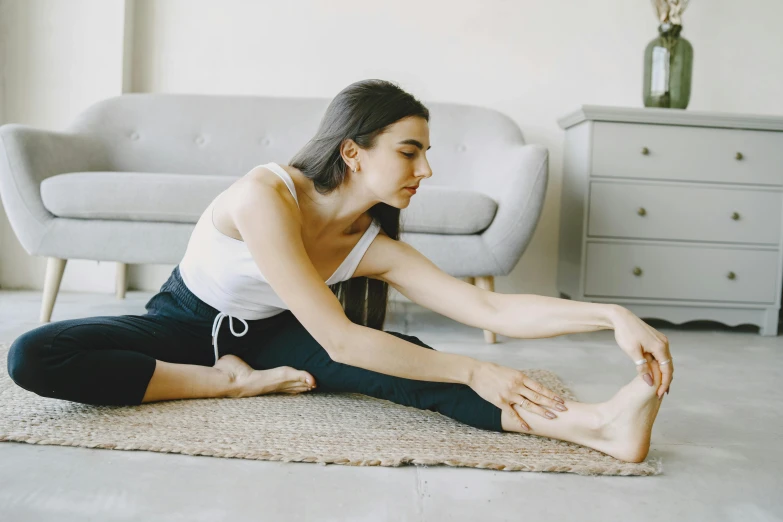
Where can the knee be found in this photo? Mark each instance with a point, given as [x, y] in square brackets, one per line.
[25, 361]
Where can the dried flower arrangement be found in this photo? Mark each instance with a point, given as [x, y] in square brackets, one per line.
[670, 11]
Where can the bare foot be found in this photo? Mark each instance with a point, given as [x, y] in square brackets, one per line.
[627, 419]
[248, 382]
[619, 427]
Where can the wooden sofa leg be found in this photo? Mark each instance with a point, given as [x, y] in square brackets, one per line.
[121, 285]
[487, 283]
[54, 275]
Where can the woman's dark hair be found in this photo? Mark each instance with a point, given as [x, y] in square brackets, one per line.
[362, 111]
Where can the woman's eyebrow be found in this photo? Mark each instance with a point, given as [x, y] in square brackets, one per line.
[413, 142]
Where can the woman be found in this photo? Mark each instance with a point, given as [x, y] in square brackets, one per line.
[262, 253]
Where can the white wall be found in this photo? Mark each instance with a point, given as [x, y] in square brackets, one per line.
[534, 61]
[60, 56]
[3, 38]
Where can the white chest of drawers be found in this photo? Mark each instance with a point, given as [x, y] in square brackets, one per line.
[674, 214]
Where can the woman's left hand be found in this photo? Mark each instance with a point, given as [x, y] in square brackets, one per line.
[636, 338]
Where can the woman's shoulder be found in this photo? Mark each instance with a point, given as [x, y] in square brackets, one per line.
[261, 177]
[255, 182]
[266, 176]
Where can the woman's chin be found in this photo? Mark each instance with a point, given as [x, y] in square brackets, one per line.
[401, 202]
[404, 203]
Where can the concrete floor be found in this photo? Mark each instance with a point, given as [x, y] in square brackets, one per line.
[718, 432]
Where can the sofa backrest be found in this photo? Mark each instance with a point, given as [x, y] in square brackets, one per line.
[230, 134]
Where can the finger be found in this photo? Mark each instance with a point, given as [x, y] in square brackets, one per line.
[539, 401]
[642, 366]
[530, 406]
[653, 362]
[667, 370]
[515, 415]
[657, 375]
[541, 389]
[660, 353]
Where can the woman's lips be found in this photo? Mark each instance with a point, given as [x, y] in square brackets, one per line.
[411, 190]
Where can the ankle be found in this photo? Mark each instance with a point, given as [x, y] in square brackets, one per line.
[232, 385]
[602, 420]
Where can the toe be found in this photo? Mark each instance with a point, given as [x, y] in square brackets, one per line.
[298, 389]
[292, 374]
[308, 379]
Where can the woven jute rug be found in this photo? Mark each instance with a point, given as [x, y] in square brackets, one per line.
[337, 428]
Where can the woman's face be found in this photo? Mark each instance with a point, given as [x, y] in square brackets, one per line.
[398, 161]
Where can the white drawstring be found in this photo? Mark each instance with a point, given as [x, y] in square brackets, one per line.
[216, 328]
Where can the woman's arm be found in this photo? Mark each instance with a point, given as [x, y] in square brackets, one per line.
[530, 316]
[381, 352]
[522, 316]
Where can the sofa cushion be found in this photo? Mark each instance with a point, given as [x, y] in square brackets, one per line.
[132, 196]
[182, 198]
[448, 210]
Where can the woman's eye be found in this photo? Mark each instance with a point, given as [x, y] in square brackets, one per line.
[407, 154]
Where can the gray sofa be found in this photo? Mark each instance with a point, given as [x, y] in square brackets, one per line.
[128, 179]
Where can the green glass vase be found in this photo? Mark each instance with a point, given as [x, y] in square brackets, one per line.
[668, 65]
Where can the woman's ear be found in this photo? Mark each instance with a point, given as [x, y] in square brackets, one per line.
[349, 151]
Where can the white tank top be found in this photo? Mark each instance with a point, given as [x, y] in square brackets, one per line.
[220, 271]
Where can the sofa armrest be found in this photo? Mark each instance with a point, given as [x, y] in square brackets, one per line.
[27, 157]
[517, 179]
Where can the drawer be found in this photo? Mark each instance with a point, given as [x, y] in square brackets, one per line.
[687, 153]
[684, 212]
[681, 272]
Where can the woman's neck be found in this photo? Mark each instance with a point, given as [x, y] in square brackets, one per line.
[341, 212]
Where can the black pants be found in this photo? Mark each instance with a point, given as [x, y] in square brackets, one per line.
[109, 360]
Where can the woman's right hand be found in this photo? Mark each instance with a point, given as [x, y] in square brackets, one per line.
[504, 386]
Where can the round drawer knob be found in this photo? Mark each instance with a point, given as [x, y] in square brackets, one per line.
[645, 151]
[637, 271]
[732, 275]
[735, 216]
[739, 156]
[641, 211]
